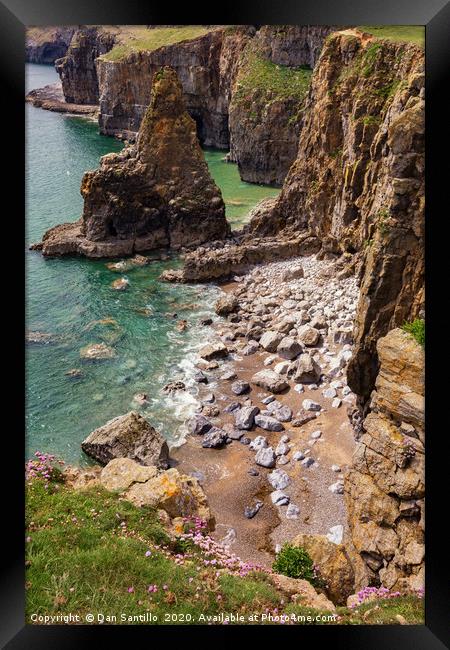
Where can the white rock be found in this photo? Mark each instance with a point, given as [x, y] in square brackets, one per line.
[336, 534]
[316, 434]
[298, 455]
[279, 498]
[282, 449]
[292, 511]
[282, 367]
[336, 403]
[265, 457]
[335, 468]
[310, 405]
[278, 479]
[260, 442]
[299, 388]
[337, 488]
[329, 393]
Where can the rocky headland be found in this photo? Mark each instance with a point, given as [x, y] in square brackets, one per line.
[46, 44]
[156, 194]
[244, 86]
[309, 425]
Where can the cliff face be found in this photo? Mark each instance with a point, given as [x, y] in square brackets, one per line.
[77, 69]
[156, 194]
[258, 116]
[205, 66]
[46, 44]
[384, 489]
[267, 102]
[293, 45]
[357, 183]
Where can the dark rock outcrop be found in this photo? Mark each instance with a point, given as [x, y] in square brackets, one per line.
[357, 184]
[221, 262]
[293, 45]
[51, 98]
[127, 436]
[267, 101]
[156, 194]
[46, 44]
[77, 69]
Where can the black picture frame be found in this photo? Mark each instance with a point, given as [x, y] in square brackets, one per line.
[14, 16]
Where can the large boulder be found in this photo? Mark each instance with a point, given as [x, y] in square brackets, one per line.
[127, 436]
[245, 417]
[333, 565]
[305, 370]
[198, 425]
[269, 380]
[215, 350]
[120, 473]
[301, 592]
[289, 348]
[226, 305]
[178, 494]
[270, 340]
[308, 335]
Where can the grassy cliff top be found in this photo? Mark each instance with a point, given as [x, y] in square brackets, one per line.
[138, 38]
[92, 552]
[409, 33]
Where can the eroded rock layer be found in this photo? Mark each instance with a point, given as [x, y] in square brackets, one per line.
[357, 184]
[384, 489]
[156, 194]
[77, 69]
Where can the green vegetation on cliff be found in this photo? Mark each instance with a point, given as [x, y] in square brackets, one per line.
[140, 38]
[410, 33]
[417, 330]
[91, 552]
[261, 76]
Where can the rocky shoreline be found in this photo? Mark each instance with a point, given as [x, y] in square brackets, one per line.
[51, 98]
[309, 420]
[312, 447]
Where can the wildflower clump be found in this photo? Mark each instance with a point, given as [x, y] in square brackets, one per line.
[44, 467]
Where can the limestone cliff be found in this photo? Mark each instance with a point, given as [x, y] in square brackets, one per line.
[156, 194]
[357, 184]
[205, 65]
[266, 105]
[77, 69]
[46, 44]
[384, 489]
[258, 116]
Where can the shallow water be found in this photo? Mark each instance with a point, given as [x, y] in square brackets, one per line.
[67, 298]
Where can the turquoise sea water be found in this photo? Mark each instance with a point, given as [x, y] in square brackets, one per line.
[67, 297]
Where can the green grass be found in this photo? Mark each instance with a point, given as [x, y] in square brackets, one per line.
[399, 33]
[416, 329]
[87, 549]
[142, 39]
[260, 76]
[86, 554]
